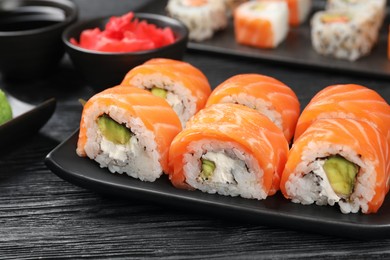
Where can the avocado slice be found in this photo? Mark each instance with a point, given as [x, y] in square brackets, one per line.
[341, 174]
[113, 131]
[208, 168]
[5, 108]
[159, 92]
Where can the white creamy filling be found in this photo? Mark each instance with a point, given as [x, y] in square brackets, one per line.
[175, 102]
[225, 167]
[327, 190]
[128, 151]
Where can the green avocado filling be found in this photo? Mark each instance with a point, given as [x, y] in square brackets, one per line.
[5, 109]
[341, 174]
[113, 131]
[208, 168]
[159, 92]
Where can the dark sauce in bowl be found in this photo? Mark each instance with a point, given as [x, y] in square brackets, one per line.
[30, 17]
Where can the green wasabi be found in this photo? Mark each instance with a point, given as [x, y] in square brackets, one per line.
[5, 109]
[113, 131]
[341, 174]
[159, 92]
[208, 168]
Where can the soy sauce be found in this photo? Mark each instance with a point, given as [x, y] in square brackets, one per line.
[29, 18]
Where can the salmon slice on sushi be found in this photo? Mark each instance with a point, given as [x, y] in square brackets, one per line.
[231, 150]
[128, 130]
[182, 85]
[261, 24]
[265, 94]
[346, 101]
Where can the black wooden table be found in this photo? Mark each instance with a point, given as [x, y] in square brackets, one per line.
[43, 216]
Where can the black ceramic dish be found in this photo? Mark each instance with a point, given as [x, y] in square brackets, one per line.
[275, 210]
[27, 120]
[295, 50]
[107, 69]
[30, 36]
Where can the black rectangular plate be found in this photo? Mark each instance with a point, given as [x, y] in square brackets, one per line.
[295, 50]
[274, 211]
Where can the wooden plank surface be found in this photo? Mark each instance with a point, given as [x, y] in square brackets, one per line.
[42, 216]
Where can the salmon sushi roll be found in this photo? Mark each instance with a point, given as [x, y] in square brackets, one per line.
[265, 94]
[182, 85]
[346, 101]
[128, 130]
[261, 24]
[231, 150]
[298, 11]
[338, 161]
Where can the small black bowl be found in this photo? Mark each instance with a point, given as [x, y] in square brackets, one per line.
[102, 70]
[30, 36]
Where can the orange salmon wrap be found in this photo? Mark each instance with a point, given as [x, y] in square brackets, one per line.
[144, 124]
[316, 168]
[182, 85]
[346, 101]
[231, 150]
[265, 94]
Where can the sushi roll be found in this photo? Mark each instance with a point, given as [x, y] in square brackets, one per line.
[202, 17]
[265, 94]
[346, 101]
[298, 11]
[375, 8]
[182, 85]
[344, 35]
[338, 161]
[128, 130]
[262, 24]
[231, 150]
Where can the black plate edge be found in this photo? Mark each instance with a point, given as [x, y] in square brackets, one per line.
[235, 213]
[26, 124]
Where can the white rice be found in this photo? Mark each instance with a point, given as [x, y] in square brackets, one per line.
[179, 97]
[264, 107]
[201, 21]
[139, 158]
[304, 7]
[245, 171]
[306, 187]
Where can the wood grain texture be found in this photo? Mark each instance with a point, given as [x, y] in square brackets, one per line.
[42, 216]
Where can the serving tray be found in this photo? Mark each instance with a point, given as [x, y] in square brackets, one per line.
[295, 50]
[274, 211]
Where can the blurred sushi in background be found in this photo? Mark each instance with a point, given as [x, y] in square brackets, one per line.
[202, 17]
[262, 24]
[343, 34]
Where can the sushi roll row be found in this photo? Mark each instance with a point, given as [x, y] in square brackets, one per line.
[347, 29]
[236, 141]
[341, 151]
[129, 128]
[265, 23]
